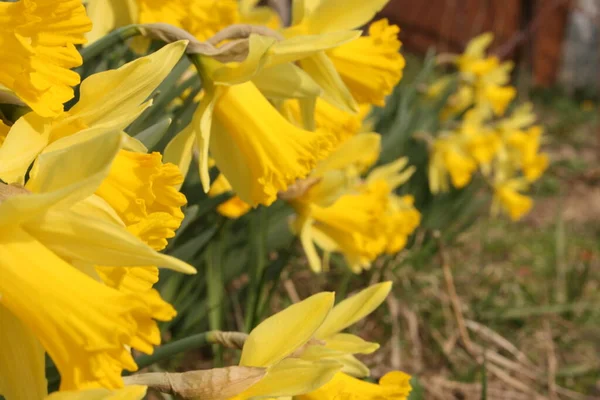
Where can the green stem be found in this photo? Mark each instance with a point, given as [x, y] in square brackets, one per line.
[170, 349]
[258, 233]
[116, 36]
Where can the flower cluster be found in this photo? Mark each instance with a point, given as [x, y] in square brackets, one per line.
[86, 209]
[482, 136]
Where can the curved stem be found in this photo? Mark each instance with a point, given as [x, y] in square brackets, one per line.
[116, 36]
[170, 349]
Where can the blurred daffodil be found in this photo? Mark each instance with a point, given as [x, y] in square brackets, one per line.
[483, 81]
[509, 200]
[111, 99]
[232, 208]
[54, 304]
[449, 157]
[37, 51]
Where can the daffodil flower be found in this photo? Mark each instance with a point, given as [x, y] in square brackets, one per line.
[509, 200]
[371, 66]
[269, 366]
[110, 99]
[254, 146]
[37, 51]
[449, 156]
[49, 302]
[339, 212]
[332, 343]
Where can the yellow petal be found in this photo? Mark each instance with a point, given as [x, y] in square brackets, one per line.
[360, 151]
[127, 393]
[292, 377]
[98, 242]
[298, 47]
[351, 344]
[107, 15]
[353, 366]
[179, 149]
[83, 324]
[25, 140]
[232, 208]
[114, 98]
[283, 333]
[306, 238]
[22, 360]
[323, 71]
[394, 173]
[37, 51]
[334, 15]
[60, 184]
[353, 309]
[53, 170]
[393, 386]
[143, 192]
[515, 204]
[286, 81]
[371, 66]
[258, 151]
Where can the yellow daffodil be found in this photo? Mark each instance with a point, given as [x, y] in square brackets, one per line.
[81, 323]
[450, 157]
[111, 99]
[258, 151]
[271, 347]
[232, 208]
[340, 213]
[141, 190]
[392, 386]
[371, 66]
[254, 146]
[527, 144]
[336, 216]
[331, 343]
[127, 393]
[508, 200]
[37, 51]
[400, 217]
[318, 17]
[482, 81]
